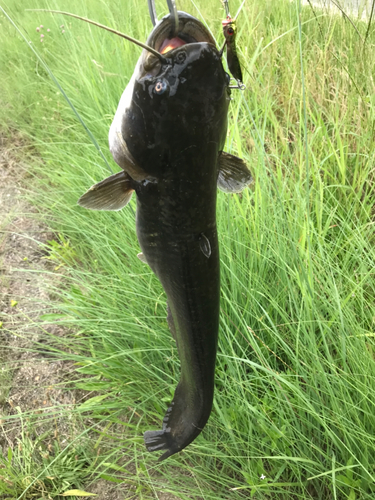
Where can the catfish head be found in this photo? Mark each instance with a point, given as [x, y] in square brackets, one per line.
[171, 120]
[171, 104]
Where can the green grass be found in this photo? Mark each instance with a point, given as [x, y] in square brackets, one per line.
[295, 386]
[36, 469]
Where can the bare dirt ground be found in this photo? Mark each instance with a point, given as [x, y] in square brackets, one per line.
[32, 382]
[27, 377]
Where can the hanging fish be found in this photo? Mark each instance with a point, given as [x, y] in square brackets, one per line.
[167, 136]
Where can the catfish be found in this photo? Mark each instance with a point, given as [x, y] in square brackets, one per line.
[168, 136]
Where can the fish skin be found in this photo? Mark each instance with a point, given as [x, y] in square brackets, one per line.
[178, 145]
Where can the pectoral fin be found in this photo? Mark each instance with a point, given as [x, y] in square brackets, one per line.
[233, 174]
[111, 194]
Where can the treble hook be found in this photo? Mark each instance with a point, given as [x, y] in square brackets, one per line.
[172, 10]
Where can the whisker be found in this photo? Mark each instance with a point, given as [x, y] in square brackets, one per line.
[163, 59]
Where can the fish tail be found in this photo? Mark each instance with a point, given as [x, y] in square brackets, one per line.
[182, 423]
[160, 440]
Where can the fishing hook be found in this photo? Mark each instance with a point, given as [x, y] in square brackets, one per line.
[172, 10]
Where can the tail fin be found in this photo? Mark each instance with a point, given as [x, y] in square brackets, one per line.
[160, 440]
[182, 423]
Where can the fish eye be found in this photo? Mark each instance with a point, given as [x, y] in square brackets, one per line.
[160, 87]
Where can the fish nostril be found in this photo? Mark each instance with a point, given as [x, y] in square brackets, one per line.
[181, 57]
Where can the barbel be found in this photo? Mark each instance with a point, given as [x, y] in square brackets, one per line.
[162, 59]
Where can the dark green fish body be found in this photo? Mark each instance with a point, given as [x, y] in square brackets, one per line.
[168, 135]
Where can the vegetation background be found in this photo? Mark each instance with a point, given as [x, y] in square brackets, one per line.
[294, 411]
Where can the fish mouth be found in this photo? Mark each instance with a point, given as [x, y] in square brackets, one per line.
[164, 38]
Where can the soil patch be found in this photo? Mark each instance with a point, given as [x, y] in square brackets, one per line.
[31, 382]
[28, 381]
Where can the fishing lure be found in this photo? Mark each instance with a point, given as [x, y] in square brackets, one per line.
[230, 32]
